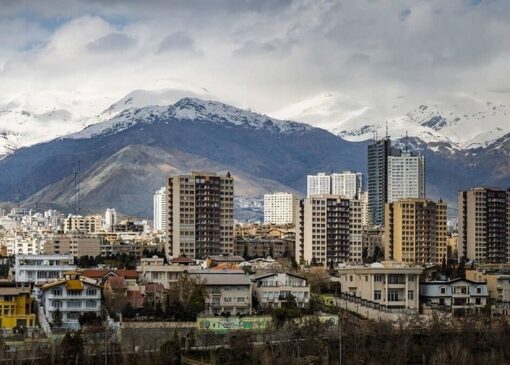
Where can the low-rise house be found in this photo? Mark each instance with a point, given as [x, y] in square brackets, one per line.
[41, 268]
[458, 296]
[102, 275]
[154, 270]
[70, 297]
[273, 289]
[228, 291]
[16, 307]
[390, 285]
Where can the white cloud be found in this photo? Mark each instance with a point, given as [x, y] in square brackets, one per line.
[258, 54]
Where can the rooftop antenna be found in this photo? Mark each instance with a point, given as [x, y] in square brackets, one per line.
[387, 130]
[407, 143]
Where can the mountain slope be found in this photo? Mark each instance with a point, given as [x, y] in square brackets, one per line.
[130, 177]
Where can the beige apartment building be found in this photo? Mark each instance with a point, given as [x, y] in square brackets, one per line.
[87, 224]
[322, 231]
[416, 231]
[76, 244]
[391, 284]
[200, 216]
[498, 285]
[329, 230]
[484, 225]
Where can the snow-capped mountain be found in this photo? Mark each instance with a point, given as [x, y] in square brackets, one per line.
[460, 121]
[37, 117]
[189, 109]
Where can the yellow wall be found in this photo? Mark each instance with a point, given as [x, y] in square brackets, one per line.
[17, 309]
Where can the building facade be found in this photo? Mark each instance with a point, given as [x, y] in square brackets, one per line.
[458, 296]
[279, 208]
[79, 224]
[377, 185]
[75, 244]
[416, 231]
[390, 284]
[347, 184]
[16, 307]
[160, 210]
[200, 215]
[41, 268]
[406, 176]
[323, 230]
[484, 225]
[318, 184]
[71, 296]
[229, 291]
[273, 289]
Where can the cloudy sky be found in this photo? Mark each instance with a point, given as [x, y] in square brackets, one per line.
[262, 54]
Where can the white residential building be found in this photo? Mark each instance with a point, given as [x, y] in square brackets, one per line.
[273, 289]
[159, 216]
[319, 184]
[24, 243]
[41, 268]
[71, 296]
[279, 208]
[347, 184]
[406, 176]
[110, 219]
[458, 295]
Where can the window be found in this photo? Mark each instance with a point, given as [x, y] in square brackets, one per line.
[73, 304]
[378, 277]
[91, 292]
[411, 278]
[443, 290]
[240, 300]
[393, 295]
[56, 292]
[377, 295]
[478, 290]
[56, 304]
[351, 278]
[478, 301]
[410, 294]
[91, 304]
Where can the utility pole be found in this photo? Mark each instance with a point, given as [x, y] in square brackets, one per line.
[339, 341]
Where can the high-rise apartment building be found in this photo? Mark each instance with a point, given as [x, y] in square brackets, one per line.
[484, 225]
[279, 208]
[159, 210]
[378, 153]
[416, 231]
[328, 230]
[319, 184]
[347, 184]
[406, 176]
[110, 219]
[392, 175]
[355, 231]
[200, 215]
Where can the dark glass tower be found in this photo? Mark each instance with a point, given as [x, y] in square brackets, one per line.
[378, 153]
